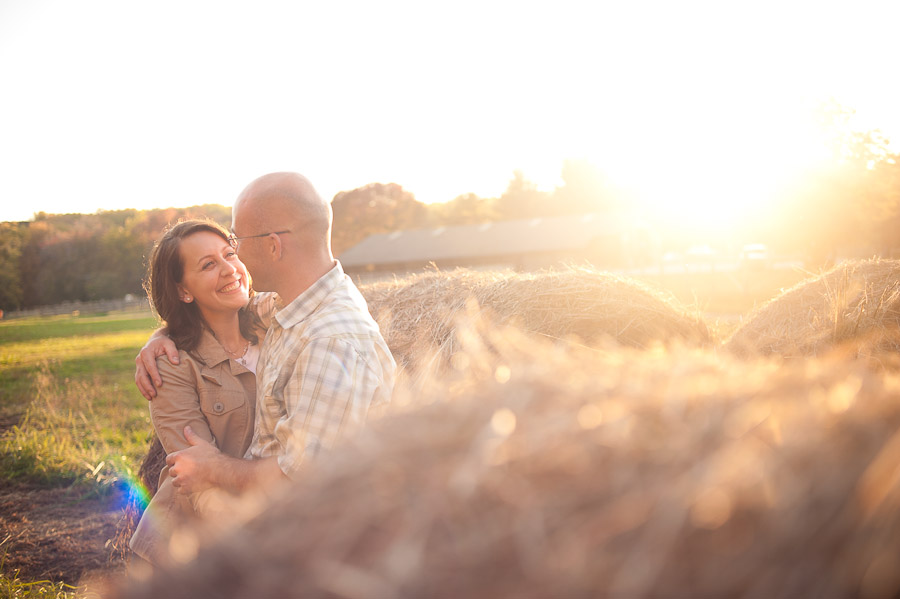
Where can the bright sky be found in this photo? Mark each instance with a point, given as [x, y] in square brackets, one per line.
[110, 104]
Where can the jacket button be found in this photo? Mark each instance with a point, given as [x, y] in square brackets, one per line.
[218, 407]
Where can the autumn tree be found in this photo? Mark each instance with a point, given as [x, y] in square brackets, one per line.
[849, 204]
[373, 208]
[67, 257]
[466, 209]
[522, 199]
[12, 237]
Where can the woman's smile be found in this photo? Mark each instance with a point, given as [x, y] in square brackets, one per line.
[232, 287]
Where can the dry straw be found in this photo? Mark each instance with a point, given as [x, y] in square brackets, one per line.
[855, 306]
[573, 473]
[420, 315]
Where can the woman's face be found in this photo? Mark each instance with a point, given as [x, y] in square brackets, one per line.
[214, 278]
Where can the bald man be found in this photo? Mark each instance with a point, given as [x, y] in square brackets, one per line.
[323, 365]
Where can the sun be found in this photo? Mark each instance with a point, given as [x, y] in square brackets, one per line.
[715, 171]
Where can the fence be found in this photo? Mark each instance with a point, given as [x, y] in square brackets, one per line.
[127, 304]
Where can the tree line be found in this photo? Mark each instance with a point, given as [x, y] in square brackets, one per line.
[851, 204]
[56, 258]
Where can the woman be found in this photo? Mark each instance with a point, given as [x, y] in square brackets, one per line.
[200, 291]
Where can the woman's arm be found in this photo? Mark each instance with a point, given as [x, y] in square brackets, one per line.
[177, 405]
[146, 373]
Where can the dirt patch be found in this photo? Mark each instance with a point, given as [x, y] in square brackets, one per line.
[58, 534]
[8, 420]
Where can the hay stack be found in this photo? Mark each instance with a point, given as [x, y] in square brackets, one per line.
[590, 475]
[420, 315]
[856, 301]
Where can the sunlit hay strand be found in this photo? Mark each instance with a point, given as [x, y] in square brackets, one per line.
[152, 465]
[573, 473]
[418, 315]
[855, 305]
[140, 491]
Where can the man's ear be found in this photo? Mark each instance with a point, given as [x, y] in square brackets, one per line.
[276, 249]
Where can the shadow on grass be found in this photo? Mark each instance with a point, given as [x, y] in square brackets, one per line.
[26, 467]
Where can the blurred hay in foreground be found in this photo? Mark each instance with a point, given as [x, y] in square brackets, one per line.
[856, 306]
[419, 315]
[572, 473]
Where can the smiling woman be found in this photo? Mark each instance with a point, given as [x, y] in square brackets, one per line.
[200, 290]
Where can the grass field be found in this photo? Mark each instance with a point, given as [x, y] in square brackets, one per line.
[70, 415]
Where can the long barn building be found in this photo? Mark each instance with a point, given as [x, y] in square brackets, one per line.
[601, 240]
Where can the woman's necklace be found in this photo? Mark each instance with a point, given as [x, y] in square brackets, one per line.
[234, 354]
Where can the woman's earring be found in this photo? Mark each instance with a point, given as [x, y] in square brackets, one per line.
[188, 299]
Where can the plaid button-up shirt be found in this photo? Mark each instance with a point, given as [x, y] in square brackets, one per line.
[322, 367]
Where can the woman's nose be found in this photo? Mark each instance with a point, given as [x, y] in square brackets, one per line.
[228, 268]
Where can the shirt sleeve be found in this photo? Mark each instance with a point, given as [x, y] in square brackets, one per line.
[177, 404]
[327, 396]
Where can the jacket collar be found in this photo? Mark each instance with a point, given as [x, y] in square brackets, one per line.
[210, 350]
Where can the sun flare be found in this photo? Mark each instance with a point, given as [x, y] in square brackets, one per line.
[713, 171]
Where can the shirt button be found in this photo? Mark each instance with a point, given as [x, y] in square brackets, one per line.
[218, 407]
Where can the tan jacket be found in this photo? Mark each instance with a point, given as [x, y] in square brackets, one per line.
[216, 396]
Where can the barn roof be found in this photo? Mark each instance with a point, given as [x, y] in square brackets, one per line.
[503, 238]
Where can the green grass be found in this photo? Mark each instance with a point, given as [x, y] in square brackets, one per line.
[29, 329]
[69, 383]
[71, 412]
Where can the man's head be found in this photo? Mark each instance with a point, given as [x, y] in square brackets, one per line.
[283, 232]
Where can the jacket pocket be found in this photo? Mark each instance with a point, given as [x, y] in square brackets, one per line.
[217, 402]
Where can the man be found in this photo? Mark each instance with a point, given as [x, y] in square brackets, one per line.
[323, 364]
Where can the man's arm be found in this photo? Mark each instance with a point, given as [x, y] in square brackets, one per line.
[263, 304]
[146, 374]
[202, 466]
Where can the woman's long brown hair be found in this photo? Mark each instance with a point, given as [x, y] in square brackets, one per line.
[165, 271]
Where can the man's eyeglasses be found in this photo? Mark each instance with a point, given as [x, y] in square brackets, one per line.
[233, 241]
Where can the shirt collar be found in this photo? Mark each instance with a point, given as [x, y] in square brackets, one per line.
[307, 302]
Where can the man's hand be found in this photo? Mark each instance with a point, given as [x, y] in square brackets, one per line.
[146, 374]
[193, 468]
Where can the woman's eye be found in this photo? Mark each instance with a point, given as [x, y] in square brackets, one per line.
[208, 265]
[231, 254]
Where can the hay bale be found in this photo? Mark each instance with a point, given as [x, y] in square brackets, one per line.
[855, 301]
[586, 475]
[420, 315]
